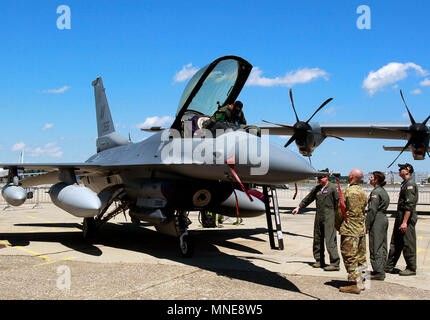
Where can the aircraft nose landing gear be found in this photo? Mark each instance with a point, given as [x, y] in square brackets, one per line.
[186, 243]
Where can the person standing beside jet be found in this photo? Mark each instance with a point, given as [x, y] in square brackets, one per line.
[404, 237]
[353, 231]
[377, 225]
[327, 198]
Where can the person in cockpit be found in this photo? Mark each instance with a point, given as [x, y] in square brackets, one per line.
[229, 116]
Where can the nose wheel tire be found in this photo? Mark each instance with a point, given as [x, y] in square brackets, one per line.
[186, 246]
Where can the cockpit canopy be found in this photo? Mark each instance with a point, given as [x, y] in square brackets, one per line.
[218, 83]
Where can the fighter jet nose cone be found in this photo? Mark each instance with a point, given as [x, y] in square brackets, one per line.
[286, 166]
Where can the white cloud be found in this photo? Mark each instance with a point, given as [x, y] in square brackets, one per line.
[425, 83]
[185, 73]
[330, 111]
[50, 149]
[56, 91]
[416, 91]
[47, 126]
[18, 146]
[389, 74]
[289, 79]
[155, 122]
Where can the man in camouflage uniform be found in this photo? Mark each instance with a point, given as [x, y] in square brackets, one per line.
[327, 198]
[404, 237]
[353, 231]
[230, 117]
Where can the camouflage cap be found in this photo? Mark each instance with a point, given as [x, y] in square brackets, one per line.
[406, 166]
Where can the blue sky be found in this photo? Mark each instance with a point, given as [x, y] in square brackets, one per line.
[315, 47]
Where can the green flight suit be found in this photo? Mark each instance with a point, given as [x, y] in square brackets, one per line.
[224, 118]
[327, 199]
[377, 225]
[353, 231]
[225, 114]
[406, 242]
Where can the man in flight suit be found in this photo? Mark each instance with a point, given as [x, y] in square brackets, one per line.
[353, 231]
[404, 237]
[230, 116]
[327, 198]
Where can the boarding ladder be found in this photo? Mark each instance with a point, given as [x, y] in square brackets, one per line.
[272, 211]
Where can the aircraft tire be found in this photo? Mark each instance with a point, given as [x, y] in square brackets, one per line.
[187, 249]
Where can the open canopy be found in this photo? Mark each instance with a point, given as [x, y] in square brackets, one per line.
[218, 83]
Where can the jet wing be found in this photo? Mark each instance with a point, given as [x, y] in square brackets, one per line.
[396, 148]
[84, 167]
[372, 130]
[399, 149]
[81, 169]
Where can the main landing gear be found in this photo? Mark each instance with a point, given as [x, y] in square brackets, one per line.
[90, 226]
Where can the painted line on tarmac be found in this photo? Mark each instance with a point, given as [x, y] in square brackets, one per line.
[37, 254]
[34, 253]
[54, 261]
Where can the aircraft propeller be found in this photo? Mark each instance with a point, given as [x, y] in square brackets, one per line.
[301, 128]
[415, 129]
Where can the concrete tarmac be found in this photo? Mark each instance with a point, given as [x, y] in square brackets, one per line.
[43, 256]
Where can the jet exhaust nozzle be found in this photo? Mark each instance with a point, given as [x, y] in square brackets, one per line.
[14, 195]
[76, 200]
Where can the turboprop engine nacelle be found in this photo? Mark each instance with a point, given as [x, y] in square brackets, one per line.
[76, 200]
[14, 195]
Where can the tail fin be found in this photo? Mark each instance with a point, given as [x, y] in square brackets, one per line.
[104, 118]
[107, 136]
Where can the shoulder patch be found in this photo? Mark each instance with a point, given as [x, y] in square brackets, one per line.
[410, 187]
[374, 196]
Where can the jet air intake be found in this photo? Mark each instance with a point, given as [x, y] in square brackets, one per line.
[76, 200]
